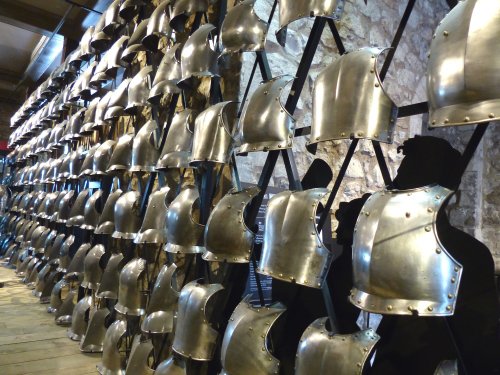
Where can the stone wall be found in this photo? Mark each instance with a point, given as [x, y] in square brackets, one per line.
[476, 207]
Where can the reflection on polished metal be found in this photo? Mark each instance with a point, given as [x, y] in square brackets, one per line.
[88, 120]
[198, 57]
[63, 206]
[64, 314]
[108, 288]
[184, 233]
[168, 74]
[244, 347]
[78, 320]
[77, 212]
[265, 124]
[113, 361]
[52, 252]
[158, 26]
[163, 302]
[322, 352]
[131, 293]
[56, 298]
[213, 131]
[176, 151]
[106, 223]
[122, 155]
[424, 278]
[129, 8]
[101, 158]
[194, 336]
[464, 74]
[127, 215]
[64, 253]
[153, 225]
[137, 363]
[145, 151]
[183, 9]
[447, 368]
[138, 90]
[292, 10]
[293, 250]
[75, 164]
[112, 18]
[230, 243]
[99, 120]
[172, 366]
[118, 100]
[242, 30]
[113, 57]
[75, 124]
[100, 40]
[99, 76]
[93, 340]
[92, 211]
[134, 43]
[86, 169]
[372, 115]
[76, 266]
[92, 268]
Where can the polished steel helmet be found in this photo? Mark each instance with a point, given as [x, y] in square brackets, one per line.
[101, 158]
[242, 30]
[183, 9]
[213, 139]
[138, 90]
[145, 151]
[463, 73]
[56, 135]
[118, 101]
[113, 358]
[176, 152]
[195, 338]
[321, 351]
[199, 56]
[106, 223]
[158, 25]
[289, 253]
[265, 124]
[135, 42]
[77, 212]
[163, 302]
[168, 74]
[93, 267]
[371, 116]
[230, 243]
[92, 211]
[153, 225]
[184, 233]
[86, 168]
[121, 158]
[399, 264]
[292, 10]
[132, 293]
[127, 215]
[81, 89]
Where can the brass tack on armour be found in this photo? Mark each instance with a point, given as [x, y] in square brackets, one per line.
[430, 210]
[491, 115]
[407, 214]
[389, 307]
[438, 251]
[466, 119]
[446, 33]
[430, 308]
[427, 228]
[448, 308]
[450, 296]
[453, 280]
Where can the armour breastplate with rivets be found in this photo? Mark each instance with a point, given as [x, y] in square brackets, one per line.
[195, 338]
[244, 347]
[265, 124]
[227, 238]
[399, 265]
[372, 115]
[293, 250]
[321, 352]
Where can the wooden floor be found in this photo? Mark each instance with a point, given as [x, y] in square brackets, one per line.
[30, 341]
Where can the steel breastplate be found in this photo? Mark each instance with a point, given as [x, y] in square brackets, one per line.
[168, 74]
[122, 155]
[106, 223]
[145, 151]
[61, 215]
[137, 363]
[127, 218]
[183, 9]
[100, 112]
[78, 321]
[76, 266]
[399, 265]
[158, 25]
[461, 87]
[194, 336]
[134, 43]
[198, 57]
[321, 352]
[88, 119]
[114, 55]
[91, 212]
[92, 269]
[242, 30]
[171, 366]
[227, 238]
[118, 101]
[153, 226]
[131, 296]
[64, 253]
[52, 252]
[337, 116]
[447, 368]
[88, 162]
[176, 151]
[77, 212]
[108, 288]
[93, 340]
[265, 124]
[184, 234]
[293, 250]
[101, 158]
[138, 90]
[244, 347]
[163, 302]
[113, 362]
[212, 140]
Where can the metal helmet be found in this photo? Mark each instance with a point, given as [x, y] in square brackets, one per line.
[130, 8]
[138, 362]
[64, 205]
[86, 49]
[172, 366]
[76, 266]
[93, 340]
[145, 151]
[88, 120]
